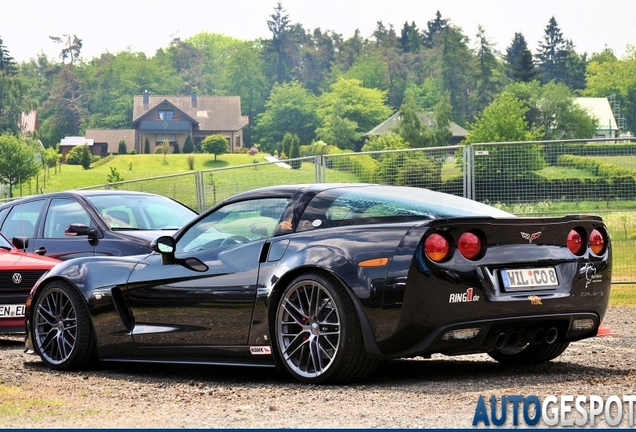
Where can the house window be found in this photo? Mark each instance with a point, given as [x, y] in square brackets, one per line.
[166, 114]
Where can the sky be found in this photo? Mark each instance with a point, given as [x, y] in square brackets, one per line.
[144, 25]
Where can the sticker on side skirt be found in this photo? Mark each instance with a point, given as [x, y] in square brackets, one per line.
[261, 350]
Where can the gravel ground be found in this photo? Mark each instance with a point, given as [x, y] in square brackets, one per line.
[441, 392]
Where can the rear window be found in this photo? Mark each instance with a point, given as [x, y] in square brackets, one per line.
[380, 204]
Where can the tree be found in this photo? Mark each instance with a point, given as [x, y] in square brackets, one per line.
[504, 121]
[215, 144]
[519, 60]
[164, 149]
[290, 108]
[292, 142]
[411, 128]
[279, 26]
[122, 149]
[66, 106]
[361, 107]
[244, 76]
[433, 28]
[12, 93]
[17, 161]
[176, 149]
[338, 130]
[7, 64]
[488, 73]
[552, 54]
[85, 157]
[146, 146]
[610, 76]
[550, 109]
[188, 146]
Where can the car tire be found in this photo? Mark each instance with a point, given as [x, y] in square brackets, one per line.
[530, 355]
[318, 336]
[61, 328]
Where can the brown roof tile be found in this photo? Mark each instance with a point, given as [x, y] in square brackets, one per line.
[213, 113]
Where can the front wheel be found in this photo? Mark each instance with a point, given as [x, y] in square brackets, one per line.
[318, 336]
[530, 354]
[61, 329]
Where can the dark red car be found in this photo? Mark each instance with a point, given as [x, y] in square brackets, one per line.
[18, 273]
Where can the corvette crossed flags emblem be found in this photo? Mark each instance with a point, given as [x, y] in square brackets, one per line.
[531, 237]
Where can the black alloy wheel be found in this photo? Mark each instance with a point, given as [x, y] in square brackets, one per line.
[61, 328]
[318, 336]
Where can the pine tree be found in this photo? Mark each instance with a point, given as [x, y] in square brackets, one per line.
[122, 148]
[7, 65]
[519, 60]
[434, 27]
[188, 146]
[552, 54]
[147, 146]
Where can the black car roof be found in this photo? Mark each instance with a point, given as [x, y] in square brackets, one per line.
[76, 192]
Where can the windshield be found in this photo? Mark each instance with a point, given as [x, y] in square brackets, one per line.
[141, 212]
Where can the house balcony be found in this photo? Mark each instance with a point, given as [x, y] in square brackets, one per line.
[165, 126]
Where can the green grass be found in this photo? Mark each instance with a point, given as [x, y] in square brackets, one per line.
[554, 172]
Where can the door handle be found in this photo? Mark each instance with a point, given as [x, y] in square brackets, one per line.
[41, 251]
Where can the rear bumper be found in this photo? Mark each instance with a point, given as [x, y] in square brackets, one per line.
[496, 333]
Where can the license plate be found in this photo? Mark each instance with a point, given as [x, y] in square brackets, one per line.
[12, 311]
[522, 279]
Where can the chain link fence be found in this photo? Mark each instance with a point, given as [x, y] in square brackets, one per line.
[525, 178]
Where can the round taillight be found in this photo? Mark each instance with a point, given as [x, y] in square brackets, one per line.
[436, 247]
[596, 242]
[469, 245]
[575, 242]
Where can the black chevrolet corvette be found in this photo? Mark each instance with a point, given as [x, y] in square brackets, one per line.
[326, 280]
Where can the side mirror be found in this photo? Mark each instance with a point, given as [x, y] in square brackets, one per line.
[165, 246]
[77, 229]
[20, 242]
[80, 229]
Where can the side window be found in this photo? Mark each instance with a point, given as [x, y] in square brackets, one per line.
[236, 223]
[22, 218]
[63, 212]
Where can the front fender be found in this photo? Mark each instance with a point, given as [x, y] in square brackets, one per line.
[98, 280]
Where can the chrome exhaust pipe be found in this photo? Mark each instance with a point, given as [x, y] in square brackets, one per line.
[551, 335]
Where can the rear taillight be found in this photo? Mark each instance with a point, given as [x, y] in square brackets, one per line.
[596, 242]
[436, 247]
[575, 242]
[469, 245]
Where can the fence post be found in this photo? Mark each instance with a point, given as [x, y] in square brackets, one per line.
[317, 173]
[199, 187]
[469, 171]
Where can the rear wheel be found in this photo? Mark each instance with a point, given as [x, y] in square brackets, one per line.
[61, 329]
[318, 336]
[517, 356]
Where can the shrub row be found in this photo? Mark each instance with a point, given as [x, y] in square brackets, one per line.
[593, 166]
[536, 188]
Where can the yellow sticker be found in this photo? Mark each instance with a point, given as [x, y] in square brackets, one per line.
[535, 300]
[286, 225]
